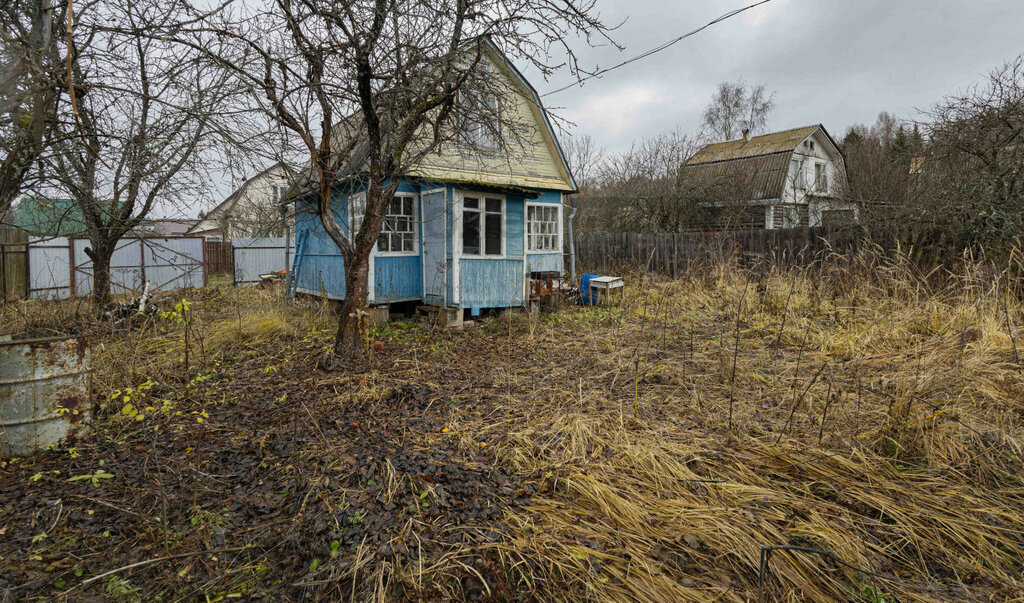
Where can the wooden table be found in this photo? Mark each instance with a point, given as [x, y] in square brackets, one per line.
[607, 283]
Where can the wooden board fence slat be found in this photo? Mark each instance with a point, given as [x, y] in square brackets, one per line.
[668, 253]
[13, 263]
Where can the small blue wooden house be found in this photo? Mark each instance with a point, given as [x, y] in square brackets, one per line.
[466, 227]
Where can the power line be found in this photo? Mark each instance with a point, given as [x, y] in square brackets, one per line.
[658, 48]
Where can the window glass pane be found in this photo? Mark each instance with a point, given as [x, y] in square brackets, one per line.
[543, 222]
[493, 234]
[407, 242]
[469, 202]
[471, 232]
[357, 208]
[494, 205]
[382, 242]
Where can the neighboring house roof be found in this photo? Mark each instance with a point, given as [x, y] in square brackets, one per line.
[168, 226]
[743, 179]
[752, 169]
[766, 144]
[227, 205]
[63, 218]
[49, 217]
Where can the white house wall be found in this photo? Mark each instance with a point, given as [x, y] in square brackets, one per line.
[799, 192]
[259, 192]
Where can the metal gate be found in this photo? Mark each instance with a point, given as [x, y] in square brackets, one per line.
[252, 257]
[167, 263]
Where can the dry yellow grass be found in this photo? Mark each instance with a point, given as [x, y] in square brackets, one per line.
[866, 410]
[914, 477]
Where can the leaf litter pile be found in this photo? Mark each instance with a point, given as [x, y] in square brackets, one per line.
[848, 433]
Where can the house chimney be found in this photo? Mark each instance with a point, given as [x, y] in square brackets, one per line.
[746, 131]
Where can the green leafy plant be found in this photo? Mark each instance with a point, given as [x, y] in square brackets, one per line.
[94, 477]
[120, 589]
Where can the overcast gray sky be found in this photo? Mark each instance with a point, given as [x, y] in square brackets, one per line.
[829, 61]
[835, 62]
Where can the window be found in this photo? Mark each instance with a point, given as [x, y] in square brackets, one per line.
[278, 192]
[482, 226]
[481, 129]
[357, 207]
[820, 178]
[543, 228]
[398, 232]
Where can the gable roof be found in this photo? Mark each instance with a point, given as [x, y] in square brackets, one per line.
[49, 217]
[749, 170]
[228, 204]
[433, 169]
[766, 144]
[539, 105]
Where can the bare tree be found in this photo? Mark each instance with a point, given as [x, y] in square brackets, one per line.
[135, 132]
[370, 87]
[30, 84]
[641, 189]
[976, 156]
[584, 158]
[954, 178]
[879, 181]
[736, 107]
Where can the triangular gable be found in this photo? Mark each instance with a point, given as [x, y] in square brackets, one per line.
[551, 136]
[547, 170]
[540, 164]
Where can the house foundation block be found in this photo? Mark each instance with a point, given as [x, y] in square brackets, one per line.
[448, 317]
[380, 314]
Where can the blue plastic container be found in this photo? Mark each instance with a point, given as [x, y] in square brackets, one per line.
[587, 297]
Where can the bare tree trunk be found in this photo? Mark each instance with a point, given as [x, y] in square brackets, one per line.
[348, 341]
[100, 279]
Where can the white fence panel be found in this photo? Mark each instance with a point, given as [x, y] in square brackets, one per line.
[255, 256]
[58, 266]
[174, 262]
[49, 265]
[126, 267]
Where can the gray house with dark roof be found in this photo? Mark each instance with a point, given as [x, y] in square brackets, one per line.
[788, 179]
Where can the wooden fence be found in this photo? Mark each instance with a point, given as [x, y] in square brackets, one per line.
[13, 263]
[672, 253]
[219, 258]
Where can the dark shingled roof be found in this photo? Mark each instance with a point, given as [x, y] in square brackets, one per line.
[746, 170]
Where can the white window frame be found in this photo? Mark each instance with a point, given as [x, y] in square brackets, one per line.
[558, 221]
[277, 192]
[461, 209]
[474, 134]
[353, 230]
[415, 228]
[821, 184]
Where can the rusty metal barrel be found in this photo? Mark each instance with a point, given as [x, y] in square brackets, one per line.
[44, 392]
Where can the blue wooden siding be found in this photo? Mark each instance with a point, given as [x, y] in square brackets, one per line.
[322, 270]
[543, 262]
[515, 227]
[486, 283]
[397, 277]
